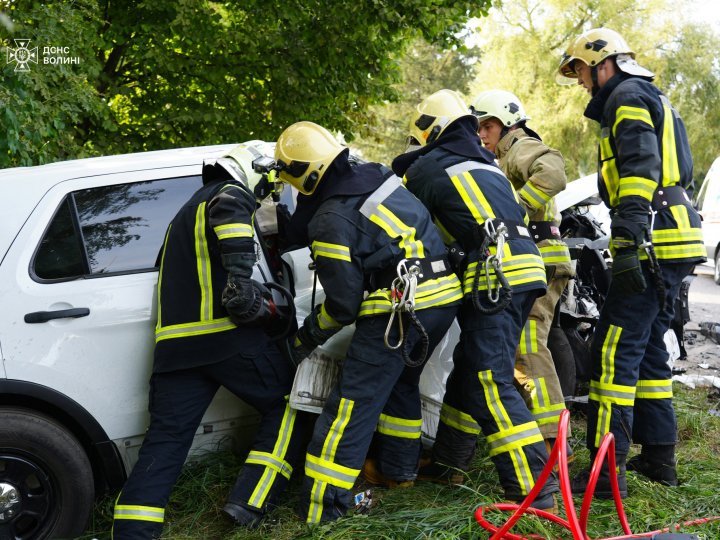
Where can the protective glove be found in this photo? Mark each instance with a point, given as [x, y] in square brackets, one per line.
[627, 274]
[628, 233]
[248, 302]
[310, 336]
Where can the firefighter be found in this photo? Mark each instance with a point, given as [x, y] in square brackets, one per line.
[209, 334]
[645, 178]
[475, 206]
[538, 174]
[366, 233]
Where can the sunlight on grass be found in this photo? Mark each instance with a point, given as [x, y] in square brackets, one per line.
[442, 512]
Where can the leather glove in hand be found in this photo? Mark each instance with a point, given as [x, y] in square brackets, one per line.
[247, 301]
[310, 335]
[627, 274]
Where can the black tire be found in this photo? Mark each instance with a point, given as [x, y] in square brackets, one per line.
[716, 272]
[50, 474]
[564, 360]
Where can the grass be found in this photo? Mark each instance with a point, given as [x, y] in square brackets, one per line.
[438, 512]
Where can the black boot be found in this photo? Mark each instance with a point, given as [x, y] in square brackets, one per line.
[242, 516]
[657, 463]
[603, 488]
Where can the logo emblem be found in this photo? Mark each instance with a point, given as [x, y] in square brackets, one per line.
[22, 56]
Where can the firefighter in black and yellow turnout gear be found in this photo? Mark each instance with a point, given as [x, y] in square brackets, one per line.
[645, 178]
[469, 197]
[363, 229]
[537, 172]
[209, 334]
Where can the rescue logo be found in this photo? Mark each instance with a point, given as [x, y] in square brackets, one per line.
[22, 55]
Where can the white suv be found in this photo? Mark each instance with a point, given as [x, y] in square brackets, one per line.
[78, 248]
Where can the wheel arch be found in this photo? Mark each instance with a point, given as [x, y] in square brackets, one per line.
[107, 464]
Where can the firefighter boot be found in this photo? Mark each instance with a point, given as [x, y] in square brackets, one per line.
[657, 463]
[603, 488]
[432, 471]
[373, 475]
[242, 516]
[550, 442]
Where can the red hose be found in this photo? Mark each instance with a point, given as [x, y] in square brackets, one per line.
[578, 528]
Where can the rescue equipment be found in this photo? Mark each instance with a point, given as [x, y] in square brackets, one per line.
[501, 296]
[402, 297]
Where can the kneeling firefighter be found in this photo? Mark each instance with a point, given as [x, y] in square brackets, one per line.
[475, 206]
[210, 311]
[366, 233]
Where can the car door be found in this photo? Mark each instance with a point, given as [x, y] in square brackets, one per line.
[79, 296]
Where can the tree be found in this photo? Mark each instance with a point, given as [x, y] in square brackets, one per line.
[162, 73]
[522, 41]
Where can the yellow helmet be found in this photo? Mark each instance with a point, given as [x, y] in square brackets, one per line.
[501, 104]
[303, 153]
[435, 113]
[591, 47]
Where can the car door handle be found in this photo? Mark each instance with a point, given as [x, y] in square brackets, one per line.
[45, 316]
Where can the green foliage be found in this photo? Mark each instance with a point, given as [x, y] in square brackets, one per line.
[522, 41]
[165, 73]
[445, 512]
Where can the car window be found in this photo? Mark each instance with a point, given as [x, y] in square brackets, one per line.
[111, 229]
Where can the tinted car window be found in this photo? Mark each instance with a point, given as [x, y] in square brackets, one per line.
[122, 228]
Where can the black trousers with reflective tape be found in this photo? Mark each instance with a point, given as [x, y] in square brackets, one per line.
[376, 388]
[178, 401]
[631, 381]
[481, 388]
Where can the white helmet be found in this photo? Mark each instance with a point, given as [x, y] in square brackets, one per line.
[500, 104]
[238, 162]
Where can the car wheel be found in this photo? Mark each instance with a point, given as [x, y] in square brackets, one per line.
[716, 273]
[46, 481]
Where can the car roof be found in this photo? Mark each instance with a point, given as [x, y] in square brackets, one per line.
[21, 188]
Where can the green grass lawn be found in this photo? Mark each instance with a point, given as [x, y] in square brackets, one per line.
[433, 511]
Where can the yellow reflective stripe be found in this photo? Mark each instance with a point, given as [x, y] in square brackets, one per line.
[330, 472]
[518, 269]
[325, 321]
[432, 293]
[549, 414]
[158, 324]
[603, 421]
[202, 257]
[533, 196]
[690, 234]
[680, 213]
[608, 353]
[523, 473]
[458, 420]
[618, 394]
[139, 513]
[317, 493]
[514, 438]
[395, 228]
[686, 251]
[403, 428]
[233, 230]
[625, 112]
[637, 186]
[275, 461]
[654, 389]
[193, 329]
[331, 251]
[554, 253]
[266, 459]
[337, 428]
[671, 170]
[472, 197]
[528, 337]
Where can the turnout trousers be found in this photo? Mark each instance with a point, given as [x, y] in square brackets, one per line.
[535, 371]
[376, 390]
[481, 396]
[631, 382]
[178, 401]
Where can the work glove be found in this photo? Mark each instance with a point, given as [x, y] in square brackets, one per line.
[627, 274]
[248, 302]
[310, 336]
[628, 233]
